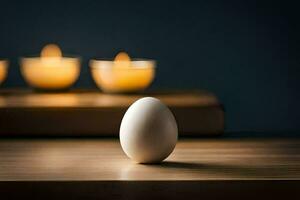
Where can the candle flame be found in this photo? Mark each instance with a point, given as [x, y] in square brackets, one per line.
[122, 59]
[51, 50]
[122, 56]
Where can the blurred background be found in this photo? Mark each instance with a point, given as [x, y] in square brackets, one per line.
[237, 49]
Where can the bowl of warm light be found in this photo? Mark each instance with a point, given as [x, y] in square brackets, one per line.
[50, 71]
[3, 70]
[122, 75]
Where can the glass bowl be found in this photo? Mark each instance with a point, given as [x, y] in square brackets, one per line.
[3, 70]
[44, 73]
[128, 77]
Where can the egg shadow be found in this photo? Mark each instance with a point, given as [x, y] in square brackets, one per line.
[181, 165]
[221, 169]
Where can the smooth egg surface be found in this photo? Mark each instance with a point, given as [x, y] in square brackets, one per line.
[148, 131]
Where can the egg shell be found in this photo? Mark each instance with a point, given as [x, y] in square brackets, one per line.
[148, 131]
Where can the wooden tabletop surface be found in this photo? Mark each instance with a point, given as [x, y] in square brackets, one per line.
[19, 98]
[193, 159]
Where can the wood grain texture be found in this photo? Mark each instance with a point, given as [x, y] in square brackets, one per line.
[91, 113]
[192, 160]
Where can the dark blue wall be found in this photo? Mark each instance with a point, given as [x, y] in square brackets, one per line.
[237, 49]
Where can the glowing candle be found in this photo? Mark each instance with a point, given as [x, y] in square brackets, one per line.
[51, 71]
[3, 70]
[122, 74]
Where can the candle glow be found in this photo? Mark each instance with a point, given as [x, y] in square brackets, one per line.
[3, 70]
[51, 71]
[123, 74]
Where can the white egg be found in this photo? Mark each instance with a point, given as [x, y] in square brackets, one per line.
[148, 132]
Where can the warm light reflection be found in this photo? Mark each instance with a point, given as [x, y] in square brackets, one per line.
[52, 100]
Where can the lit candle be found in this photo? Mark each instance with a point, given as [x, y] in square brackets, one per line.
[51, 71]
[3, 70]
[123, 74]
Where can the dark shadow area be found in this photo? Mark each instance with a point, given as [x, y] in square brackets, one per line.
[239, 170]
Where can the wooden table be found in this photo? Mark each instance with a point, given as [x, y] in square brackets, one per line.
[97, 168]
